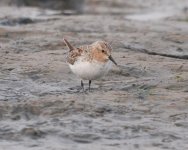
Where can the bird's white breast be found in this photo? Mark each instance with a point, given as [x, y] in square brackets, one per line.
[90, 70]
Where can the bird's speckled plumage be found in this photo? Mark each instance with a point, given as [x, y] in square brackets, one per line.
[91, 61]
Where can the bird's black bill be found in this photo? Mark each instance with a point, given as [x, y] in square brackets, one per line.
[110, 57]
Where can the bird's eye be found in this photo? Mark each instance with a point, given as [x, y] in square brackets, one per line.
[102, 51]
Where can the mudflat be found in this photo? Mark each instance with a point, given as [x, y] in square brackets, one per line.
[141, 104]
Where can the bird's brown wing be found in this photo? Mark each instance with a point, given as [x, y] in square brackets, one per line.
[73, 55]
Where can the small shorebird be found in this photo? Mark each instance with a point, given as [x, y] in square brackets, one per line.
[90, 62]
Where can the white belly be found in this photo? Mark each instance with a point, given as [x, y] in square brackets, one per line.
[90, 71]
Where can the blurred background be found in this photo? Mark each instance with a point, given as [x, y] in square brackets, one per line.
[50, 4]
[117, 7]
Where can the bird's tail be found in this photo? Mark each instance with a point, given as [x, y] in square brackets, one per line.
[68, 45]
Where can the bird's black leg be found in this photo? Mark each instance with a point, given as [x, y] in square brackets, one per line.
[82, 85]
[89, 85]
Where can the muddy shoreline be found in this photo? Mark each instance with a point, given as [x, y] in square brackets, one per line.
[141, 104]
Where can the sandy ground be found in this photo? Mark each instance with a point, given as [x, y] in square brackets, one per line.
[141, 104]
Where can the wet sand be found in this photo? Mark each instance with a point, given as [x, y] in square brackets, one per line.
[141, 104]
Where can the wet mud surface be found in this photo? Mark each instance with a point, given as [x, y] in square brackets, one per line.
[141, 104]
